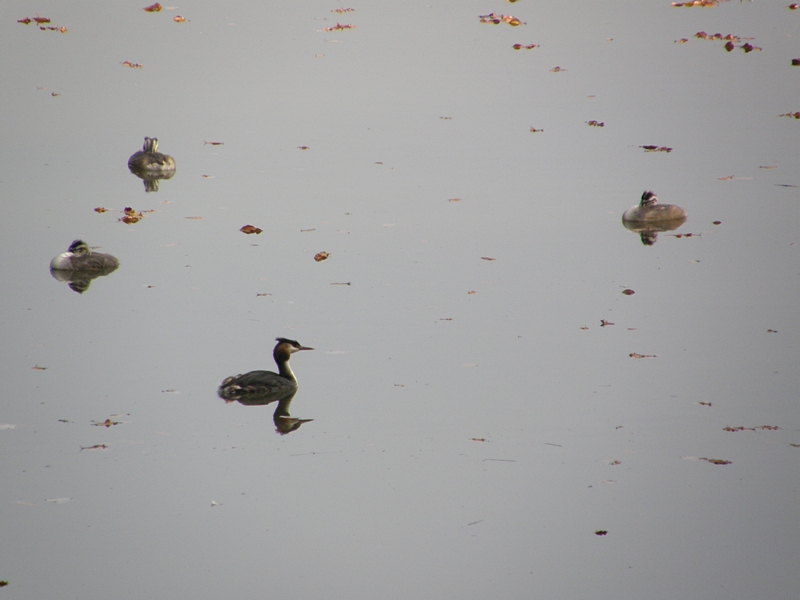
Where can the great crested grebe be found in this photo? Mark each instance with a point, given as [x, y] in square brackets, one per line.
[149, 160]
[649, 210]
[258, 383]
[80, 257]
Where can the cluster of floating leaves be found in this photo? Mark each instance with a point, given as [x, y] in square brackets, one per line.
[320, 256]
[131, 65]
[794, 115]
[656, 148]
[339, 27]
[248, 229]
[496, 19]
[42, 23]
[131, 216]
[762, 427]
[157, 8]
[525, 47]
[595, 123]
[341, 11]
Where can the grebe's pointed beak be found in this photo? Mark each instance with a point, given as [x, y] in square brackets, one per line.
[303, 348]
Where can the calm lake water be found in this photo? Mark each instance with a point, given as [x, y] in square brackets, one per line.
[475, 429]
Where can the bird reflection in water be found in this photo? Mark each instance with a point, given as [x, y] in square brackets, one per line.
[649, 218]
[258, 388]
[150, 165]
[79, 265]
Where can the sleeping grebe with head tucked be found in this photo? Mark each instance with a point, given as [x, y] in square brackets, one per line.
[649, 210]
[150, 160]
[80, 257]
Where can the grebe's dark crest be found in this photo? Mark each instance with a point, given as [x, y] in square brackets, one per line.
[259, 383]
[649, 210]
[80, 257]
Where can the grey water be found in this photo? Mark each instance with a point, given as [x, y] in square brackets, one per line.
[476, 432]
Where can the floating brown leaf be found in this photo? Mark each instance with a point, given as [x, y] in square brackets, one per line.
[525, 46]
[487, 258]
[601, 532]
[604, 323]
[100, 209]
[595, 123]
[131, 65]
[95, 447]
[772, 331]
[794, 115]
[454, 199]
[704, 403]
[693, 3]
[656, 148]
[152, 8]
[471, 292]
[534, 130]
[194, 218]
[717, 222]
[628, 292]
[557, 69]
[205, 143]
[304, 147]
[637, 355]
[264, 294]
[248, 229]
[342, 10]
[38, 368]
[339, 27]
[40, 20]
[179, 19]
[25, 21]
[796, 62]
[717, 461]
[320, 256]
[107, 423]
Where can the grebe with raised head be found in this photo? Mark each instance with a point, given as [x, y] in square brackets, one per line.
[149, 160]
[80, 257]
[258, 383]
[649, 210]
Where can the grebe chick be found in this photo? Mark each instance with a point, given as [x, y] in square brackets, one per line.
[649, 210]
[258, 383]
[80, 257]
[149, 160]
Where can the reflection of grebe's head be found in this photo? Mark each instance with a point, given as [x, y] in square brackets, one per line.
[648, 199]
